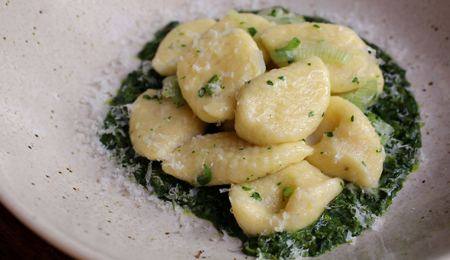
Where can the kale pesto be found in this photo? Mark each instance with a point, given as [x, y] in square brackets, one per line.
[348, 215]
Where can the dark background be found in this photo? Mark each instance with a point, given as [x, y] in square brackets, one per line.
[18, 242]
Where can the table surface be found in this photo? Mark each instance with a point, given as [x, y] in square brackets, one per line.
[18, 242]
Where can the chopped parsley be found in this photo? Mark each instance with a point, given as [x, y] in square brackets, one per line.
[150, 97]
[323, 114]
[329, 134]
[268, 148]
[282, 78]
[352, 118]
[183, 45]
[252, 31]
[311, 114]
[206, 177]
[241, 149]
[279, 183]
[256, 196]
[286, 192]
[248, 82]
[316, 26]
[355, 80]
[309, 64]
[208, 89]
[269, 82]
[246, 188]
[363, 163]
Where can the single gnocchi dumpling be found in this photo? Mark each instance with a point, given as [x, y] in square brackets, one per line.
[288, 200]
[158, 125]
[283, 105]
[347, 146]
[214, 69]
[224, 158]
[176, 42]
[254, 24]
[322, 39]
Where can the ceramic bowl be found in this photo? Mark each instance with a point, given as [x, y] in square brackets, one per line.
[61, 60]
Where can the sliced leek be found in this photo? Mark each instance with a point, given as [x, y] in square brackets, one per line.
[308, 49]
[363, 96]
[171, 89]
[281, 15]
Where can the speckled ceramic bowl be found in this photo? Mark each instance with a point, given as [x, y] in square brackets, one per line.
[59, 62]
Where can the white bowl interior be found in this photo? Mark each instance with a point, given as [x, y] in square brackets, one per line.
[59, 63]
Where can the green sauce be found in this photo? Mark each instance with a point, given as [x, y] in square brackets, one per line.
[348, 215]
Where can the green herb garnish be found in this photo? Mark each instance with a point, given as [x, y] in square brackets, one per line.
[256, 196]
[206, 177]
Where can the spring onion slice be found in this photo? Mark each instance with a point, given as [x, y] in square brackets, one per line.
[206, 177]
[171, 89]
[383, 129]
[363, 96]
[281, 15]
[241, 22]
[308, 49]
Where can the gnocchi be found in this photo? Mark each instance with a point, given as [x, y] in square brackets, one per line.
[230, 159]
[283, 105]
[175, 43]
[288, 200]
[314, 36]
[255, 24]
[158, 125]
[347, 146]
[214, 69]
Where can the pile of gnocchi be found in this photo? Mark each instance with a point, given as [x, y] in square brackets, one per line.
[278, 89]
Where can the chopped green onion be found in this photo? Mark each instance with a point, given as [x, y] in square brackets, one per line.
[294, 43]
[246, 188]
[320, 50]
[171, 89]
[288, 50]
[316, 26]
[279, 183]
[252, 31]
[206, 177]
[281, 15]
[256, 196]
[383, 129]
[282, 78]
[352, 118]
[363, 163]
[286, 192]
[241, 22]
[311, 114]
[150, 98]
[363, 96]
[269, 82]
[211, 87]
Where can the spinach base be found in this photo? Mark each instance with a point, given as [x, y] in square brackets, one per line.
[348, 215]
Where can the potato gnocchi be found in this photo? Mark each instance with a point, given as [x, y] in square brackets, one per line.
[158, 125]
[347, 146]
[175, 43]
[283, 105]
[255, 24]
[230, 159]
[213, 70]
[319, 36]
[288, 200]
[284, 144]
